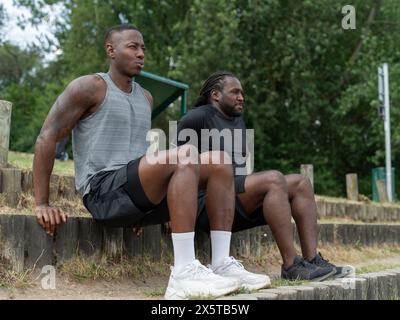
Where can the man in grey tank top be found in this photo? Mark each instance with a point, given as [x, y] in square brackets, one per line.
[110, 116]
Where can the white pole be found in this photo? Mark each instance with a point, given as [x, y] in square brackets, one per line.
[387, 132]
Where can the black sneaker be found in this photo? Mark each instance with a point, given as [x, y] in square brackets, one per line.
[303, 270]
[341, 272]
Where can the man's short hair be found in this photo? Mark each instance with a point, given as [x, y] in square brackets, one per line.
[117, 29]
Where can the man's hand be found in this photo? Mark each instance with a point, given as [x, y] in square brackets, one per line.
[49, 217]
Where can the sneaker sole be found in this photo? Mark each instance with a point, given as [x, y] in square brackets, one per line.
[257, 286]
[348, 271]
[325, 276]
[173, 294]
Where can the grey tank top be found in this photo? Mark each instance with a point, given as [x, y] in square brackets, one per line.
[113, 135]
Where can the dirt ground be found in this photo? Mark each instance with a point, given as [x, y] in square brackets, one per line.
[152, 288]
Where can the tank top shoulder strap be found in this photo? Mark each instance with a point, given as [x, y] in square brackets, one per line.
[105, 77]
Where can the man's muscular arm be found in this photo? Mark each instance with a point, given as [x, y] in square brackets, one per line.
[80, 97]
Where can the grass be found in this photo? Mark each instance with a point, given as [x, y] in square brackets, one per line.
[74, 208]
[24, 161]
[154, 292]
[14, 279]
[81, 269]
[377, 268]
[86, 271]
[278, 282]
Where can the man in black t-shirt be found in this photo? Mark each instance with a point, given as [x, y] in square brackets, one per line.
[266, 197]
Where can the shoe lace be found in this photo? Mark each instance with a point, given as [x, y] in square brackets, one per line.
[305, 264]
[322, 261]
[200, 270]
[234, 263]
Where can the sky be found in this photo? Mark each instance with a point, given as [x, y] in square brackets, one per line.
[23, 37]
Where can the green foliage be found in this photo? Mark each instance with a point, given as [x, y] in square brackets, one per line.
[311, 87]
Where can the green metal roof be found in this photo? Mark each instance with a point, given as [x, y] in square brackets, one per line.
[164, 91]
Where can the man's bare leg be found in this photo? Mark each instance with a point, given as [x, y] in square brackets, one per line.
[216, 177]
[178, 179]
[304, 212]
[179, 182]
[269, 190]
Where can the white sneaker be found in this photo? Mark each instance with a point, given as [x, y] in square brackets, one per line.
[195, 280]
[233, 269]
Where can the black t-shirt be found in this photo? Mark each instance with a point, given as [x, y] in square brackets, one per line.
[229, 135]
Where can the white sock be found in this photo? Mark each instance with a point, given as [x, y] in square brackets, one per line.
[183, 249]
[220, 245]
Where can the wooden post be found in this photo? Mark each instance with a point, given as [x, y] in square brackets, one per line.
[382, 192]
[5, 121]
[38, 245]
[112, 242]
[67, 187]
[152, 242]
[66, 240]
[54, 187]
[27, 181]
[352, 186]
[307, 170]
[11, 185]
[90, 238]
[12, 233]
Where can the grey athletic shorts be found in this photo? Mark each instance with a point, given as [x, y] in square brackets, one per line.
[117, 199]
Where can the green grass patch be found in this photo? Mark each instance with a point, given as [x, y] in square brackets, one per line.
[154, 292]
[279, 282]
[24, 161]
[377, 268]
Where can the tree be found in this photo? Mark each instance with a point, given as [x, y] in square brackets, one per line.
[311, 87]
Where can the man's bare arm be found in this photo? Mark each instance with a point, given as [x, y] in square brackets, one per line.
[149, 97]
[79, 98]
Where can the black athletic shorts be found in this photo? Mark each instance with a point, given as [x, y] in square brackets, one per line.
[117, 199]
[241, 220]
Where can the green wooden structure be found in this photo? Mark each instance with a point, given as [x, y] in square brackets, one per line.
[164, 91]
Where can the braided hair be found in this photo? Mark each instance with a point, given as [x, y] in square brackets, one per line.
[215, 81]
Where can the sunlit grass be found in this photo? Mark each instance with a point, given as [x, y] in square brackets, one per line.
[24, 161]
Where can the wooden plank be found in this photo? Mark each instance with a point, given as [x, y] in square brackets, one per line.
[152, 242]
[5, 123]
[38, 245]
[307, 170]
[372, 285]
[342, 234]
[67, 187]
[132, 243]
[352, 186]
[11, 185]
[336, 290]
[12, 231]
[112, 242]
[66, 240]
[267, 237]
[255, 241]
[166, 244]
[54, 187]
[240, 244]
[90, 238]
[382, 192]
[296, 236]
[27, 181]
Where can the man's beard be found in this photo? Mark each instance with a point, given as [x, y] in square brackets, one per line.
[230, 111]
